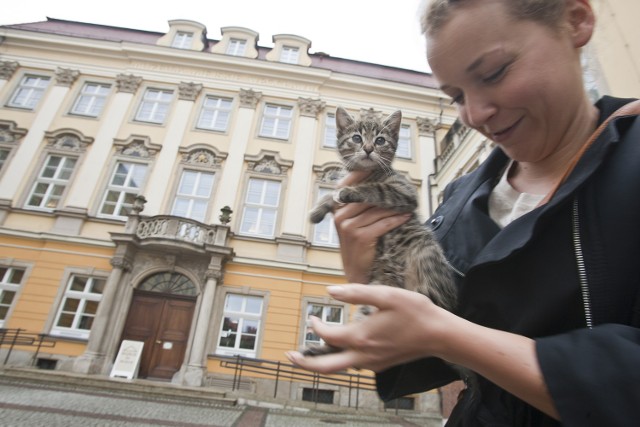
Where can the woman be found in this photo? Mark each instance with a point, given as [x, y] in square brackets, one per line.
[548, 285]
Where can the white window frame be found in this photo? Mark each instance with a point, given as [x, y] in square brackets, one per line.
[243, 316]
[330, 139]
[29, 92]
[85, 299]
[326, 226]
[61, 178]
[91, 99]
[236, 47]
[325, 309]
[290, 54]
[276, 121]
[259, 209]
[154, 106]
[7, 286]
[123, 190]
[182, 40]
[193, 198]
[404, 142]
[215, 113]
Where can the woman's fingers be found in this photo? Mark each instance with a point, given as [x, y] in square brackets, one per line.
[325, 364]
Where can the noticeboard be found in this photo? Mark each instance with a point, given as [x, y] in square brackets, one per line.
[128, 360]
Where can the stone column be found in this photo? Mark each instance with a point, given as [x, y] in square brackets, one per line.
[93, 360]
[21, 164]
[426, 151]
[227, 190]
[161, 173]
[196, 367]
[291, 245]
[88, 175]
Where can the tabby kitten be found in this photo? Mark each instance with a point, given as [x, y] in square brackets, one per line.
[408, 256]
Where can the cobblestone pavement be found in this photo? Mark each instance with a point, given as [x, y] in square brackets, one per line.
[27, 402]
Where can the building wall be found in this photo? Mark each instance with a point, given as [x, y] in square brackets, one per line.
[55, 243]
[616, 45]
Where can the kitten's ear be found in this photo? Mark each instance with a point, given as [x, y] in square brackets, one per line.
[393, 122]
[343, 119]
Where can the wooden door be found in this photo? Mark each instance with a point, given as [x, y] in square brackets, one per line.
[162, 322]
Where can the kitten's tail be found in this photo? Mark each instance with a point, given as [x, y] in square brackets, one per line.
[434, 275]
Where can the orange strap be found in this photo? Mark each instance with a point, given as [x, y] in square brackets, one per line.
[632, 108]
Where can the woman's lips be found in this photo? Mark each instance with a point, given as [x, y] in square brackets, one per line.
[504, 134]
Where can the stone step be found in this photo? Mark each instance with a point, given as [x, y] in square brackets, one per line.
[154, 390]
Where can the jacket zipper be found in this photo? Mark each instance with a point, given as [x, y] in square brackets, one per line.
[582, 270]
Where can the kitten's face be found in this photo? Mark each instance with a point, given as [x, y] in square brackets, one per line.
[367, 144]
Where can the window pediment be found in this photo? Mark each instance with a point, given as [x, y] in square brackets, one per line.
[232, 37]
[284, 44]
[191, 35]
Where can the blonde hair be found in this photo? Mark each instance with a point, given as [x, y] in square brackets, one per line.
[435, 13]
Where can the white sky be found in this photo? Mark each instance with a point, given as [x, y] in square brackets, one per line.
[378, 31]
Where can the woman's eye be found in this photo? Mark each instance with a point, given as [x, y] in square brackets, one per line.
[497, 75]
[458, 99]
[380, 140]
[357, 139]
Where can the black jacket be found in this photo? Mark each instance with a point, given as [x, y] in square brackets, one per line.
[564, 274]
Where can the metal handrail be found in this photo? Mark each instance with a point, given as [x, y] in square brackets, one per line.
[284, 371]
[19, 337]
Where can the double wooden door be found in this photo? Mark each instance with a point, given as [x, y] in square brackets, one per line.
[162, 322]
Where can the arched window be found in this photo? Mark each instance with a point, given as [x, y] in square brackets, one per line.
[169, 283]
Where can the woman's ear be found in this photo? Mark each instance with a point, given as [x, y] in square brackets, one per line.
[581, 21]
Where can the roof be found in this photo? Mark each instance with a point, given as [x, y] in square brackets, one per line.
[318, 60]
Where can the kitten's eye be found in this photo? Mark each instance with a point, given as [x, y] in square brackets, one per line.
[380, 140]
[357, 139]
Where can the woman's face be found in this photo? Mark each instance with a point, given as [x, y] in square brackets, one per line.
[518, 82]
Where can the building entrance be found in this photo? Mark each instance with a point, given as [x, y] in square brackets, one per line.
[161, 317]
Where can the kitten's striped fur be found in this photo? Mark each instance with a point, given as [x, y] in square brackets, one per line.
[409, 256]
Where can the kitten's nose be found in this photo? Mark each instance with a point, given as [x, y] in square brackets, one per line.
[368, 149]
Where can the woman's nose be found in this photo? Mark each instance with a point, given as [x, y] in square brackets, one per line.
[477, 111]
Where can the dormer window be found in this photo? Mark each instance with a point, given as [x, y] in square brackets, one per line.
[236, 47]
[289, 54]
[182, 40]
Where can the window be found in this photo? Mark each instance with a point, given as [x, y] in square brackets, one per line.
[404, 143]
[154, 106]
[330, 314]
[124, 186]
[324, 233]
[51, 182]
[193, 195]
[406, 403]
[29, 92]
[182, 40]
[261, 207]
[79, 306]
[236, 47]
[276, 121]
[330, 139]
[289, 55]
[215, 113]
[4, 155]
[240, 325]
[10, 281]
[91, 100]
[317, 395]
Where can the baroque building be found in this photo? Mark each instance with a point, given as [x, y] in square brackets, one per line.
[156, 188]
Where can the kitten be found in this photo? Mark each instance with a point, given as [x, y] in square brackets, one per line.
[409, 256]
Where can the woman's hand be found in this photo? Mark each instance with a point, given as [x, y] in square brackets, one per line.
[408, 326]
[359, 225]
[402, 329]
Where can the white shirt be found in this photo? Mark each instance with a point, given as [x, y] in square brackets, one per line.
[506, 204]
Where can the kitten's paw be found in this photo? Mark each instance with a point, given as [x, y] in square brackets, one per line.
[317, 215]
[347, 195]
[319, 350]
